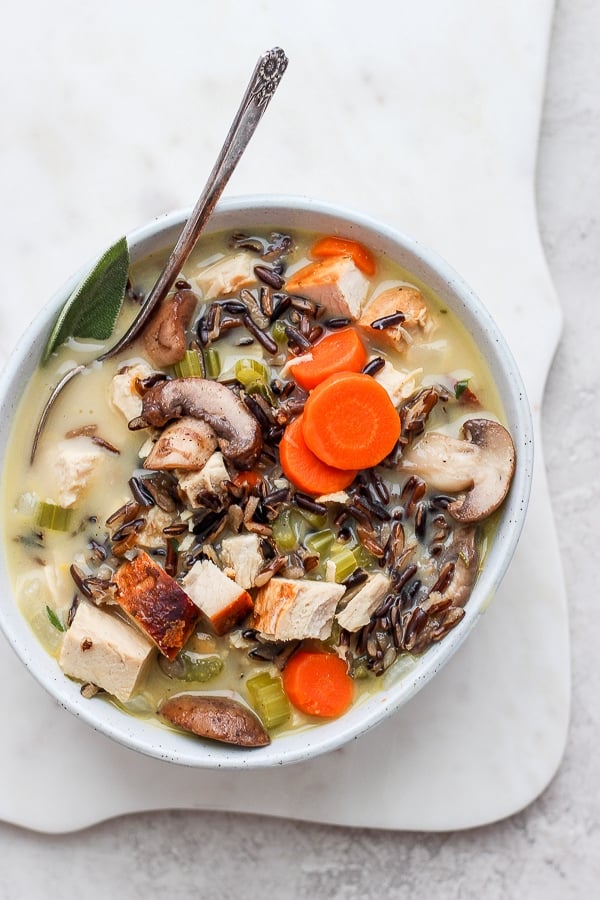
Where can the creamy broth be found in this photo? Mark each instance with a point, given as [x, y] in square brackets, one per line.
[444, 357]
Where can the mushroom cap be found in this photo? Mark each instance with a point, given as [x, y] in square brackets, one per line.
[492, 476]
[238, 432]
[165, 334]
[445, 463]
[187, 443]
[481, 465]
[219, 718]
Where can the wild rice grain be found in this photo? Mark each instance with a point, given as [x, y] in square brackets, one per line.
[390, 321]
[373, 366]
[263, 273]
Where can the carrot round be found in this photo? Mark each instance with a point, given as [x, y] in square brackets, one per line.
[304, 469]
[335, 246]
[349, 421]
[340, 351]
[317, 683]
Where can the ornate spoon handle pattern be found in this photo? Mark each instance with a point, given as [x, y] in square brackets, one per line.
[261, 88]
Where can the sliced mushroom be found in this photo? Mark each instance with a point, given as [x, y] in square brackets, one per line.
[481, 465]
[458, 569]
[165, 334]
[238, 433]
[217, 718]
[187, 443]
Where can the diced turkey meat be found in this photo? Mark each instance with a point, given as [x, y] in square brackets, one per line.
[101, 648]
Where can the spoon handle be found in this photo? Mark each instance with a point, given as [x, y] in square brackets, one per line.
[261, 87]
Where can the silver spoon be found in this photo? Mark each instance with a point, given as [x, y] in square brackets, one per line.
[261, 87]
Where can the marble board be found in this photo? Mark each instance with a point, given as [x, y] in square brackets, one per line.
[424, 117]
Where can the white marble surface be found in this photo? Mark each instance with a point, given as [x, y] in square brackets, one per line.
[550, 849]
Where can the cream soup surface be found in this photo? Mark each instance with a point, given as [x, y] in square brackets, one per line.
[440, 357]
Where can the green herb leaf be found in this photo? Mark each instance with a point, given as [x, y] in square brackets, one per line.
[92, 309]
[460, 387]
[54, 620]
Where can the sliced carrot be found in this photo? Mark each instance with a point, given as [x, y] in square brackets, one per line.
[317, 683]
[339, 351]
[349, 421]
[335, 246]
[302, 467]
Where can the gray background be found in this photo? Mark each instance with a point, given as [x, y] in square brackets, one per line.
[551, 849]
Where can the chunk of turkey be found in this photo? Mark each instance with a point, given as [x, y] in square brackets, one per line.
[210, 478]
[122, 393]
[223, 601]
[76, 461]
[287, 609]
[335, 283]
[225, 277]
[102, 649]
[242, 554]
[361, 607]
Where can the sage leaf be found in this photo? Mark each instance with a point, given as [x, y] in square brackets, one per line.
[91, 311]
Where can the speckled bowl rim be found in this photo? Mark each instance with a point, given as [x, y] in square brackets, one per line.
[286, 213]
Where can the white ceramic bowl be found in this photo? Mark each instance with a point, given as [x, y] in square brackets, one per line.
[286, 213]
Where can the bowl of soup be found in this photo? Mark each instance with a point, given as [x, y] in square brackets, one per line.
[263, 525]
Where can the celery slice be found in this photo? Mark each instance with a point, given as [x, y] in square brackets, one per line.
[363, 557]
[286, 530]
[257, 682]
[262, 388]
[192, 365]
[212, 362]
[344, 561]
[269, 699]
[319, 541]
[249, 371]
[313, 519]
[278, 331]
[49, 515]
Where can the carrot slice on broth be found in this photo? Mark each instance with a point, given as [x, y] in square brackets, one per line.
[304, 469]
[340, 351]
[317, 683]
[350, 422]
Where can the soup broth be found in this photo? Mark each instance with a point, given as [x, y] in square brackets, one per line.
[390, 557]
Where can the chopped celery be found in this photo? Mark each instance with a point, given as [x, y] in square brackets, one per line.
[49, 515]
[319, 541]
[360, 671]
[212, 362]
[278, 331]
[262, 388]
[286, 530]
[191, 365]
[258, 681]
[269, 699]
[344, 561]
[250, 371]
[313, 519]
[363, 557]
